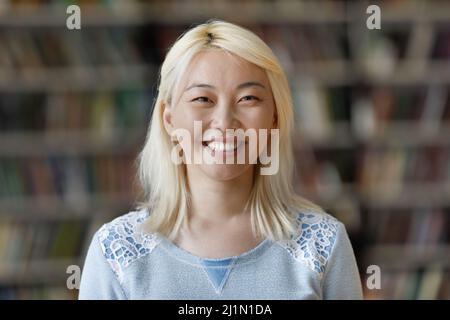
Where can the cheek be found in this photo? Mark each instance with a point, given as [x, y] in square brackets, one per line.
[261, 115]
[184, 116]
[180, 117]
[260, 119]
[263, 123]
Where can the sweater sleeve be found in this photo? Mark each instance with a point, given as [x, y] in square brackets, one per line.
[98, 281]
[341, 279]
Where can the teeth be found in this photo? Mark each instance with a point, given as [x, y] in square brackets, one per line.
[220, 146]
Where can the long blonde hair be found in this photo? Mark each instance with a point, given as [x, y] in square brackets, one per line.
[273, 202]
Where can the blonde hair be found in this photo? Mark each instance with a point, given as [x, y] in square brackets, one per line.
[273, 202]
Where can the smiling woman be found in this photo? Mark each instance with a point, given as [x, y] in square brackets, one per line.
[221, 230]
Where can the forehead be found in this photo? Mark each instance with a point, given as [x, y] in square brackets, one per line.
[221, 68]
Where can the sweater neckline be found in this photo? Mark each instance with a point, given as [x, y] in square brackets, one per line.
[191, 258]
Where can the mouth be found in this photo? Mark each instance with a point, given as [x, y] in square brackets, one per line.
[215, 147]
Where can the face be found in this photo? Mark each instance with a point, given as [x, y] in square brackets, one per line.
[219, 93]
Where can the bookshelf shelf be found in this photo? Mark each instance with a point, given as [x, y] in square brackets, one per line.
[410, 72]
[174, 12]
[400, 134]
[77, 78]
[70, 206]
[48, 272]
[413, 134]
[133, 13]
[407, 73]
[411, 196]
[338, 135]
[80, 143]
[399, 256]
[415, 195]
[406, 12]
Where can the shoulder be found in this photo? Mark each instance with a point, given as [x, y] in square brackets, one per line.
[122, 242]
[314, 240]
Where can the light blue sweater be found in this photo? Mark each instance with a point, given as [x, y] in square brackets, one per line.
[317, 263]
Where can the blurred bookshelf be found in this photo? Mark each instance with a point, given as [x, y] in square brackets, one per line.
[372, 140]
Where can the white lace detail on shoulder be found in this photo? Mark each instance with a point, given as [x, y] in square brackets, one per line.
[122, 244]
[315, 240]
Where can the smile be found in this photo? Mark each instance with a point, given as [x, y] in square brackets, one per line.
[221, 147]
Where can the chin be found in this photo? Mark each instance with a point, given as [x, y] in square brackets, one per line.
[225, 172]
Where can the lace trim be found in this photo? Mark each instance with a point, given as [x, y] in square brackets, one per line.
[122, 244]
[313, 245]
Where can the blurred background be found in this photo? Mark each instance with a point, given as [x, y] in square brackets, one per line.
[372, 141]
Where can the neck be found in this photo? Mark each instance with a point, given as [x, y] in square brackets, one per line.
[214, 202]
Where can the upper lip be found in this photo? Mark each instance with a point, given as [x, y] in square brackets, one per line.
[223, 140]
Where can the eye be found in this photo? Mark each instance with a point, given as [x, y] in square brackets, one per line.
[249, 98]
[201, 99]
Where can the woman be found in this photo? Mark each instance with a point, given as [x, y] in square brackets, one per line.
[220, 228]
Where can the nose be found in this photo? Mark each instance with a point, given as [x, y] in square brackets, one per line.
[224, 117]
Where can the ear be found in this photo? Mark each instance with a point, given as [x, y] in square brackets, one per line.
[167, 118]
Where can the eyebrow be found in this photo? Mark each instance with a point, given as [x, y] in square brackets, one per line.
[241, 86]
